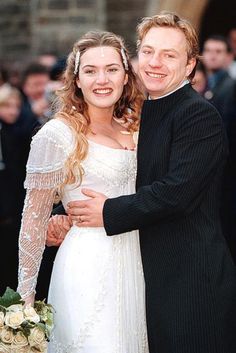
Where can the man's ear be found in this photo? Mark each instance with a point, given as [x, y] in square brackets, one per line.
[190, 66]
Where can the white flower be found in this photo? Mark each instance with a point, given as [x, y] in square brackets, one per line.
[36, 336]
[6, 335]
[19, 339]
[2, 317]
[4, 348]
[39, 347]
[14, 319]
[17, 349]
[31, 315]
[15, 308]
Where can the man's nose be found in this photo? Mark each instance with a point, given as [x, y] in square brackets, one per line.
[155, 61]
[102, 77]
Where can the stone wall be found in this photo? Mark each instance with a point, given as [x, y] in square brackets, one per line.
[31, 27]
[57, 24]
[122, 18]
[15, 31]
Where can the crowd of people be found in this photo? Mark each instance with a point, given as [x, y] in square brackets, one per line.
[186, 168]
[215, 80]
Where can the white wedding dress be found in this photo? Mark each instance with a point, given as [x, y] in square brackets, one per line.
[97, 285]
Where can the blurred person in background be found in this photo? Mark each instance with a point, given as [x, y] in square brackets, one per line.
[54, 84]
[14, 73]
[232, 42]
[3, 76]
[34, 82]
[221, 92]
[14, 148]
[48, 60]
[200, 79]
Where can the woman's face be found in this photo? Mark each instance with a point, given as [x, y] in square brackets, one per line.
[10, 110]
[101, 77]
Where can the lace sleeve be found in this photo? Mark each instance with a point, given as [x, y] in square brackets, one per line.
[49, 151]
[50, 148]
[36, 213]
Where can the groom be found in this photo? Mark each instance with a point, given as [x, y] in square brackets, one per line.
[190, 276]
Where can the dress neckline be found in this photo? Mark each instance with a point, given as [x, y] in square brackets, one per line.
[111, 148]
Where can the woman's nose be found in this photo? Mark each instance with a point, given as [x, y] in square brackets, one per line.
[102, 77]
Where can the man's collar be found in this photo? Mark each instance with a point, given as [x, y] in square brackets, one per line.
[185, 82]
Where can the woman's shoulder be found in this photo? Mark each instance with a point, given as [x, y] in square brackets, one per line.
[58, 126]
[56, 130]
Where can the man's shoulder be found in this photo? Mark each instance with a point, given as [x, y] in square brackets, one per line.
[192, 102]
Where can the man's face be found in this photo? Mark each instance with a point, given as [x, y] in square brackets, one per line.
[35, 85]
[215, 55]
[163, 61]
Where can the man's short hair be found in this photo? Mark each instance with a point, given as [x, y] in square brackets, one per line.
[220, 38]
[34, 69]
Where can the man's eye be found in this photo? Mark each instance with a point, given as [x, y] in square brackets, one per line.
[169, 55]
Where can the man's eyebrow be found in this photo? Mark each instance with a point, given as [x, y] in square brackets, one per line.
[165, 50]
[146, 46]
[171, 49]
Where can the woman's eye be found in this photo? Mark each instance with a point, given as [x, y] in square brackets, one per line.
[113, 69]
[146, 52]
[90, 72]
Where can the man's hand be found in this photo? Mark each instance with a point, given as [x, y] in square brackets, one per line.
[87, 213]
[58, 226]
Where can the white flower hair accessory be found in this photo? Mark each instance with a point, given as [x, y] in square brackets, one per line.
[77, 59]
[122, 51]
[124, 58]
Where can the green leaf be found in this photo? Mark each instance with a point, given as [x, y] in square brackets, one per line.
[10, 297]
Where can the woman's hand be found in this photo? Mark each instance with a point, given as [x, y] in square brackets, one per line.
[58, 226]
[29, 300]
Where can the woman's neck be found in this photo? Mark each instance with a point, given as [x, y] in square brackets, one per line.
[101, 116]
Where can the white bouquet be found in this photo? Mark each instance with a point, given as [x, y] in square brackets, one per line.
[24, 329]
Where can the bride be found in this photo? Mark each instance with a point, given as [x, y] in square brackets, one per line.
[97, 285]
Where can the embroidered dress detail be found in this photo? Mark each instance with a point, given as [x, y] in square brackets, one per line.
[97, 284]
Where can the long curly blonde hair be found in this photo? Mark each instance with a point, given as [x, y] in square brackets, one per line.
[72, 108]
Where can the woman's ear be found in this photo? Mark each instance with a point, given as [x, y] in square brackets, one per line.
[78, 82]
[126, 79]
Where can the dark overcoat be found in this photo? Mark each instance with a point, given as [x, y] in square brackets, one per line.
[189, 273]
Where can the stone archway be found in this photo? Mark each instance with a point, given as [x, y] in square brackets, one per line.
[218, 18]
[191, 10]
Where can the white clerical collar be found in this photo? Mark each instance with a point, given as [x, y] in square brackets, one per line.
[185, 82]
